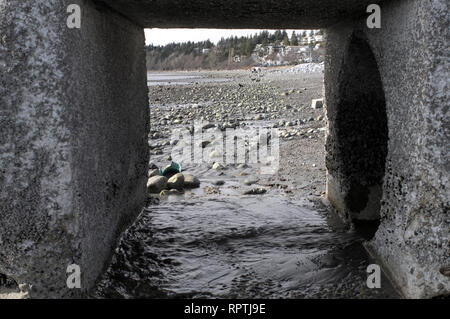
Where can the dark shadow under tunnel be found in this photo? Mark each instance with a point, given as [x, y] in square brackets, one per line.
[357, 151]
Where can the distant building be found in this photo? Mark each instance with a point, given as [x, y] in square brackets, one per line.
[272, 54]
[206, 51]
[319, 38]
[294, 49]
[275, 48]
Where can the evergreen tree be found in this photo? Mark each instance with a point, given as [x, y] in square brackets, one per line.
[286, 40]
[278, 36]
[249, 46]
[294, 39]
[265, 41]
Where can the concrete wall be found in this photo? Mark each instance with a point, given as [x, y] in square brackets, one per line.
[73, 140]
[411, 50]
[240, 14]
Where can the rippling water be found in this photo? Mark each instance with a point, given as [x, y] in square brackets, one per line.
[257, 247]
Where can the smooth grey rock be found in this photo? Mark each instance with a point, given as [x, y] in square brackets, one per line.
[156, 184]
[176, 181]
[190, 181]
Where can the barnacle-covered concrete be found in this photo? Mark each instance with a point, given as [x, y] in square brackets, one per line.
[411, 51]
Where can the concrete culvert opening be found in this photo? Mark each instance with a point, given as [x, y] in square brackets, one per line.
[357, 145]
[74, 147]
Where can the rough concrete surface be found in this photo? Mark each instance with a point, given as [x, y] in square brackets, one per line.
[251, 14]
[411, 50]
[73, 151]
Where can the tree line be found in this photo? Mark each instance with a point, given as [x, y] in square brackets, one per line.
[206, 55]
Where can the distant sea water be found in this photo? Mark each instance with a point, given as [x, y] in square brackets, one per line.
[179, 78]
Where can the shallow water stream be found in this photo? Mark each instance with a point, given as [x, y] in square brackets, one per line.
[254, 247]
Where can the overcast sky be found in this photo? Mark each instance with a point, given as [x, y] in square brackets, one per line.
[165, 36]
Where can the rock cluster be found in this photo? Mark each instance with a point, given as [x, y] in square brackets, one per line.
[174, 185]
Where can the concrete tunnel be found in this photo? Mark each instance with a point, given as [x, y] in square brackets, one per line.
[73, 159]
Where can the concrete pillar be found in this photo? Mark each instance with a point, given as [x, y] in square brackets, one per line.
[411, 52]
[73, 140]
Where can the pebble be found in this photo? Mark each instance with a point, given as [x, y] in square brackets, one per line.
[250, 182]
[217, 166]
[190, 181]
[255, 191]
